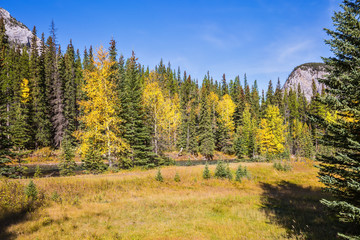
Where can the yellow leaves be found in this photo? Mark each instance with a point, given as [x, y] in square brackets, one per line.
[272, 132]
[100, 118]
[225, 109]
[164, 111]
[24, 90]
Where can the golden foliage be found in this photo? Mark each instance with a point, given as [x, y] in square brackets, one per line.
[225, 109]
[100, 118]
[272, 132]
[24, 90]
[164, 111]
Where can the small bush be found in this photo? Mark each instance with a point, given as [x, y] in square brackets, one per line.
[55, 197]
[285, 167]
[67, 165]
[159, 177]
[220, 171]
[228, 173]
[38, 172]
[206, 173]
[177, 177]
[31, 190]
[241, 173]
[15, 199]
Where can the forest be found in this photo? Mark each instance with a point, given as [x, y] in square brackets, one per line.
[106, 107]
[297, 161]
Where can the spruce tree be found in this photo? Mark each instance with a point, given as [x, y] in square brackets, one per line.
[340, 171]
[137, 133]
[67, 165]
[39, 113]
[206, 172]
[70, 91]
[206, 137]
[270, 94]
[57, 102]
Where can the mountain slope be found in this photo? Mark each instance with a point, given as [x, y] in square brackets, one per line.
[303, 75]
[16, 31]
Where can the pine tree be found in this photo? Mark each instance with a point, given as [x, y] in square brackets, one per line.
[245, 143]
[20, 128]
[158, 176]
[270, 94]
[206, 137]
[177, 177]
[57, 102]
[137, 133]
[67, 165]
[239, 174]
[206, 172]
[39, 108]
[220, 170]
[340, 171]
[70, 91]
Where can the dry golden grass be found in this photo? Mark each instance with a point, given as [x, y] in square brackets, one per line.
[132, 205]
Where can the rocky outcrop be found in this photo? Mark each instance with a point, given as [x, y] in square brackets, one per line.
[16, 31]
[303, 75]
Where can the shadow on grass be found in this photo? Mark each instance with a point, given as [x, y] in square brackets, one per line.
[9, 219]
[299, 210]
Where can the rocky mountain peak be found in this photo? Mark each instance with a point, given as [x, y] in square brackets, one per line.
[16, 31]
[303, 75]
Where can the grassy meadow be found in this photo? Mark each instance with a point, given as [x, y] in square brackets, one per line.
[271, 204]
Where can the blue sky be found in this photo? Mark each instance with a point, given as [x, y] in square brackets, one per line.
[265, 39]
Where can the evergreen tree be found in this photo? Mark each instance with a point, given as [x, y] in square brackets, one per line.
[206, 137]
[224, 86]
[206, 172]
[137, 133]
[270, 94]
[340, 171]
[278, 98]
[158, 176]
[57, 102]
[70, 91]
[20, 129]
[67, 165]
[220, 170]
[40, 114]
[245, 143]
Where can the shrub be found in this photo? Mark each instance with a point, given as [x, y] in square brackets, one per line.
[38, 172]
[177, 177]
[228, 173]
[159, 177]
[241, 173]
[220, 171]
[31, 191]
[67, 165]
[55, 197]
[282, 166]
[206, 173]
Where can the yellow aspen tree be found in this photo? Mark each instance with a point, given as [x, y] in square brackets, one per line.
[226, 108]
[154, 100]
[101, 122]
[164, 112]
[272, 132]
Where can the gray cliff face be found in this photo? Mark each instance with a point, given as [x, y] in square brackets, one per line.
[303, 75]
[16, 31]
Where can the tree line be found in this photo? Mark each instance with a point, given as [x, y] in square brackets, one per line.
[112, 107]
